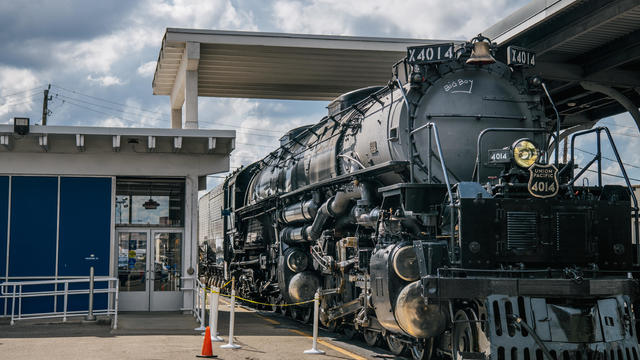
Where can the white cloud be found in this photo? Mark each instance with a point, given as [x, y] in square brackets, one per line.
[421, 19]
[147, 69]
[106, 80]
[18, 91]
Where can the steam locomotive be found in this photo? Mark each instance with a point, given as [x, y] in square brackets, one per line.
[434, 215]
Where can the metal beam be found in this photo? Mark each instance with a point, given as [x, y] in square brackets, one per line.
[613, 54]
[618, 96]
[571, 72]
[596, 17]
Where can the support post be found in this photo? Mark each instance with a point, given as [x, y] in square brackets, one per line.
[230, 344]
[176, 118]
[213, 314]
[201, 292]
[90, 316]
[316, 307]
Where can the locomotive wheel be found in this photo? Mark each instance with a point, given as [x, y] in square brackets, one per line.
[372, 338]
[274, 301]
[349, 332]
[396, 346]
[295, 312]
[465, 337]
[331, 326]
[282, 309]
[307, 314]
[422, 349]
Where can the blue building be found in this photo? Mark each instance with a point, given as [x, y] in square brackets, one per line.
[124, 198]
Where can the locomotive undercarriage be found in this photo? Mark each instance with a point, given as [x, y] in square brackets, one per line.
[498, 311]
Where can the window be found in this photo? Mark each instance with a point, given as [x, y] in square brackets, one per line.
[150, 202]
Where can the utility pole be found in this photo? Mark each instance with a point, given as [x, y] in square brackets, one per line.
[566, 148]
[45, 105]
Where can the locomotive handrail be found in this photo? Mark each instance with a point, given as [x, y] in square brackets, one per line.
[476, 170]
[432, 125]
[598, 158]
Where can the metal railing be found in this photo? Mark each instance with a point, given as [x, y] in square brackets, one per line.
[13, 292]
[597, 159]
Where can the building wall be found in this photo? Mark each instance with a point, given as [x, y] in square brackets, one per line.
[53, 223]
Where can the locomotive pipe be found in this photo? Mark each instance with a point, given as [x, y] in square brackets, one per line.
[291, 235]
[302, 211]
[335, 206]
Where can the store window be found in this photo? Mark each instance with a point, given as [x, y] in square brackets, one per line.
[150, 202]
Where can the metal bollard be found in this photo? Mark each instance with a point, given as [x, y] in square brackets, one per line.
[202, 306]
[213, 314]
[316, 307]
[231, 345]
[90, 316]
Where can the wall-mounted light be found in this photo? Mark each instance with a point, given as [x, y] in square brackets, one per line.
[151, 204]
[21, 125]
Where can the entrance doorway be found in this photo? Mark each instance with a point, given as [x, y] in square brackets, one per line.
[149, 267]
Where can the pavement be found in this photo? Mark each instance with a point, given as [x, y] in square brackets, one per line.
[262, 335]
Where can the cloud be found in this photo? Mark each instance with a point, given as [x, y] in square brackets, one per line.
[147, 69]
[421, 19]
[19, 89]
[106, 80]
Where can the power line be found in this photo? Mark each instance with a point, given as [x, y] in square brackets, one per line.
[608, 174]
[21, 92]
[29, 99]
[620, 126]
[606, 158]
[107, 101]
[124, 111]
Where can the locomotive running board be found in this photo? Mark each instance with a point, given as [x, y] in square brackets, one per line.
[396, 166]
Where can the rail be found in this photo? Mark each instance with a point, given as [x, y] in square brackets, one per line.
[432, 127]
[597, 158]
[478, 165]
[13, 292]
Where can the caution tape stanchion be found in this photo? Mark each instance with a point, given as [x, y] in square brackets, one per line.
[231, 345]
[213, 314]
[316, 307]
[202, 306]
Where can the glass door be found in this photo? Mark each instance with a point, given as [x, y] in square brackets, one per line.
[149, 269]
[166, 250]
[133, 269]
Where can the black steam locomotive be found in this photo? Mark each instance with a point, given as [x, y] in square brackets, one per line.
[433, 214]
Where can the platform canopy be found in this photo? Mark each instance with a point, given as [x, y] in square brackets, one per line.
[588, 53]
[242, 64]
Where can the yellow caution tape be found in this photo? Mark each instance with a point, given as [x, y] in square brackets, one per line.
[257, 302]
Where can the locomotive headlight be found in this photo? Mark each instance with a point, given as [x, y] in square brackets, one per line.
[525, 153]
[405, 264]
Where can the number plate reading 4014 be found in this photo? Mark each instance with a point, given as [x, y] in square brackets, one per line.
[518, 56]
[429, 54]
[499, 156]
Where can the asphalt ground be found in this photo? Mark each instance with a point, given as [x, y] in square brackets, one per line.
[262, 335]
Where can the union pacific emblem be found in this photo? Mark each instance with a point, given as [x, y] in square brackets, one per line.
[543, 181]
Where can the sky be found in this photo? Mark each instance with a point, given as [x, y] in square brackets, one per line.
[100, 57]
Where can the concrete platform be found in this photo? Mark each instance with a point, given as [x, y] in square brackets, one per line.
[262, 335]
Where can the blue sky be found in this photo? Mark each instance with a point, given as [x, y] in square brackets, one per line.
[100, 57]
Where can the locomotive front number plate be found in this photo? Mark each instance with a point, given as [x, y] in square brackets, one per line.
[543, 180]
[499, 156]
[518, 56]
[417, 55]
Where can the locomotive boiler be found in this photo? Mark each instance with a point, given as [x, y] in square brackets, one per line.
[432, 213]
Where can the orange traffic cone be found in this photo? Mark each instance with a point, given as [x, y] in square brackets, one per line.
[207, 350]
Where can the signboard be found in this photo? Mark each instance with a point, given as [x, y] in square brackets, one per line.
[517, 56]
[499, 156]
[543, 181]
[418, 55]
